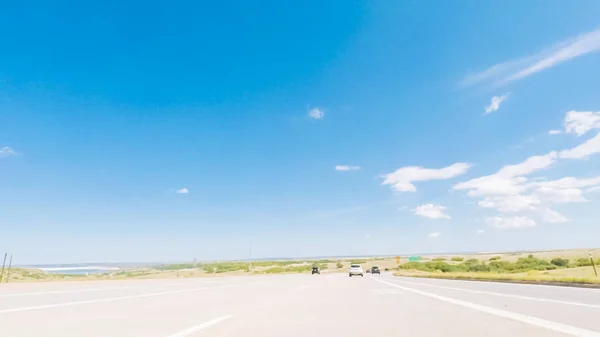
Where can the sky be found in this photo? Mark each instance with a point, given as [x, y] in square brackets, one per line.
[154, 132]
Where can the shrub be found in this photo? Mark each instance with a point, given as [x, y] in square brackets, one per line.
[560, 262]
[495, 258]
[457, 259]
[583, 262]
[532, 263]
[502, 266]
[413, 265]
[471, 261]
[479, 267]
[438, 259]
[441, 266]
[339, 265]
[225, 267]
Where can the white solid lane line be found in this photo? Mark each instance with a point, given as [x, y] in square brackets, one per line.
[66, 291]
[110, 299]
[199, 327]
[52, 292]
[542, 323]
[503, 295]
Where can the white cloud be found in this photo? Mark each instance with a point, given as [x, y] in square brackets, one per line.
[368, 236]
[564, 190]
[511, 204]
[593, 189]
[580, 122]
[584, 150]
[530, 165]
[316, 113]
[554, 132]
[495, 103]
[517, 69]
[511, 222]
[510, 191]
[509, 179]
[7, 152]
[183, 191]
[434, 235]
[480, 231]
[347, 168]
[551, 216]
[401, 180]
[432, 211]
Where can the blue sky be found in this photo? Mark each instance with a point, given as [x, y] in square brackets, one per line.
[318, 128]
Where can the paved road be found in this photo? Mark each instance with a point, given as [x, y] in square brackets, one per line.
[296, 305]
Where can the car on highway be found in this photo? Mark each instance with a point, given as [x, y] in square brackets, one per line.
[375, 270]
[315, 270]
[356, 269]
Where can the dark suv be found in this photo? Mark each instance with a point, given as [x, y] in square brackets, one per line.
[375, 270]
[315, 270]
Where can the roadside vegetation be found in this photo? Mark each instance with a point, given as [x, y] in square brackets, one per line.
[550, 266]
[527, 268]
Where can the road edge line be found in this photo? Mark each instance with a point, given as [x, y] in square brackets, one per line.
[542, 323]
[201, 326]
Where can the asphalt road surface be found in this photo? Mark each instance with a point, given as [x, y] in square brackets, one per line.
[296, 305]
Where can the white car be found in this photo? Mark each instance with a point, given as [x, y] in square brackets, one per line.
[355, 269]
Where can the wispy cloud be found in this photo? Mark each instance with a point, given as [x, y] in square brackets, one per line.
[584, 150]
[554, 132]
[316, 113]
[401, 180]
[434, 235]
[7, 152]
[183, 191]
[511, 190]
[432, 211]
[511, 222]
[520, 68]
[480, 231]
[495, 103]
[580, 122]
[347, 168]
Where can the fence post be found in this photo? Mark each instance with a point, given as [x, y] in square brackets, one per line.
[8, 272]
[3, 264]
[593, 265]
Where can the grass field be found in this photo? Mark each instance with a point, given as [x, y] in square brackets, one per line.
[556, 266]
[546, 265]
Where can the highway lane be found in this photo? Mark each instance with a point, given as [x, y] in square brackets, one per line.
[296, 305]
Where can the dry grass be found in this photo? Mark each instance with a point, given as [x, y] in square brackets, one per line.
[580, 274]
[534, 276]
[571, 254]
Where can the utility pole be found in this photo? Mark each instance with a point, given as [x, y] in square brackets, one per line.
[195, 263]
[3, 264]
[250, 257]
[9, 265]
[593, 265]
